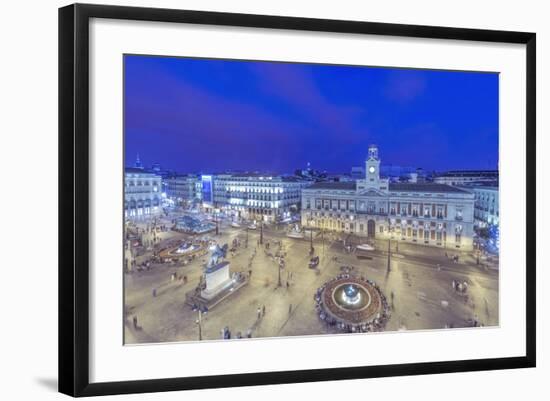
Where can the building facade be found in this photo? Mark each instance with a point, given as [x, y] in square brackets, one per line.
[486, 211]
[257, 197]
[424, 213]
[142, 193]
[465, 177]
[181, 188]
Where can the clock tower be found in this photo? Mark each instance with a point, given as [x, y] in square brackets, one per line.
[372, 166]
[372, 181]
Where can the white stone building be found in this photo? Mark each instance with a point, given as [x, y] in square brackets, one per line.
[423, 213]
[142, 193]
[486, 211]
[258, 197]
[466, 177]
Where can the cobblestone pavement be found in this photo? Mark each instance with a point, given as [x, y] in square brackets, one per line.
[423, 295]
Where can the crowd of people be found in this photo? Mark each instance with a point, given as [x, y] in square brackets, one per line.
[460, 287]
[358, 322]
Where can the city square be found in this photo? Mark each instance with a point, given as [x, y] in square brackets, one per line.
[279, 301]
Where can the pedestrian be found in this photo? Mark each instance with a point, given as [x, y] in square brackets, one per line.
[154, 292]
[263, 310]
[259, 313]
[287, 285]
[135, 322]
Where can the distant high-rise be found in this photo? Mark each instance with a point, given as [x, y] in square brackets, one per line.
[137, 164]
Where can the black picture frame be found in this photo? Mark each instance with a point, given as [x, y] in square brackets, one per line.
[74, 198]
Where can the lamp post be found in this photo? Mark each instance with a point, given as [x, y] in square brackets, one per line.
[389, 255]
[310, 221]
[279, 283]
[389, 247]
[323, 239]
[261, 232]
[200, 309]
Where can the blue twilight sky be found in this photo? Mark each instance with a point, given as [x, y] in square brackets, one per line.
[203, 115]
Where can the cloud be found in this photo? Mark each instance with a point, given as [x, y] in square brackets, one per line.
[404, 86]
[203, 127]
[297, 88]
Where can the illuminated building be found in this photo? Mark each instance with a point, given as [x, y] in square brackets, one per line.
[486, 211]
[181, 188]
[142, 193]
[256, 196]
[465, 177]
[423, 213]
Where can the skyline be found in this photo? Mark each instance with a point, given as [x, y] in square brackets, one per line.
[298, 113]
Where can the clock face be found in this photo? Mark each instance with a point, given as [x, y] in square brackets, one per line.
[371, 169]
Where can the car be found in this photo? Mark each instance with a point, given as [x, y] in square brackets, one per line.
[295, 234]
[314, 262]
[365, 247]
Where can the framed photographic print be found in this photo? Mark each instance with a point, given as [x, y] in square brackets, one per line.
[250, 199]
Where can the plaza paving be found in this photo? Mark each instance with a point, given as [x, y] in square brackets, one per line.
[419, 278]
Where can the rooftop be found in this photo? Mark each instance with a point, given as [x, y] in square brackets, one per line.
[394, 187]
[137, 170]
[481, 184]
[469, 173]
[347, 185]
[425, 187]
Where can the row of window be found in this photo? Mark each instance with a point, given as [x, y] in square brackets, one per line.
[397, 231]
[131, 183]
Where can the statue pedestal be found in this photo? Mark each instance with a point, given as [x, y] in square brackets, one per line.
[218, 279]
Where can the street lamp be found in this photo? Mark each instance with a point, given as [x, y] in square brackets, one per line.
[200, 309]
[310, 221]
[323, 239]
[279, 283]
[216, 211]
[389, 254]
[261, 232]
[389, 247]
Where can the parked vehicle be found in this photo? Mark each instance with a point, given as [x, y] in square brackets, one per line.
[295, 234]
[314, 262]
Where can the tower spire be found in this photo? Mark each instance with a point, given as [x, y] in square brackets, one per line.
[138, 162]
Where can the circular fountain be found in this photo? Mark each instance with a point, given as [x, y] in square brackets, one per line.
[187, 248]
[352, 304]
[351, 296]
[183, 250]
